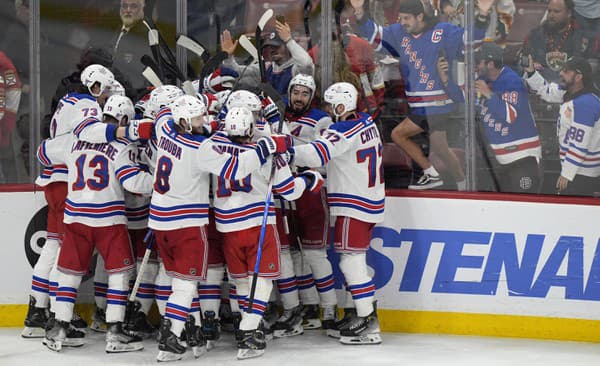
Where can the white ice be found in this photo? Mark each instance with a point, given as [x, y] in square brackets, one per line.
[315, 349]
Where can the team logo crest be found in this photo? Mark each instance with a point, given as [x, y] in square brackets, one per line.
[555, 60]
[128, 57]
[271, 266]
[193, 271]
[126, 261]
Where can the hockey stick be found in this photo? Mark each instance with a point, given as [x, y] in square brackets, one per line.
[194, 46]
[212, 64]
[307, 9]
[151, 76]
[267, 15]
[248, 47]
[132, 305]
[154, 46]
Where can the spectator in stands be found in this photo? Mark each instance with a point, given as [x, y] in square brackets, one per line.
[419, 40]
[579, 130]
[558, 38]
[501, 16]
[587, 14]
[10, 96]
[506, 118]
[287, 58]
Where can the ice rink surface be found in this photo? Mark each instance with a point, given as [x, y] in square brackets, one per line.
[315, 349]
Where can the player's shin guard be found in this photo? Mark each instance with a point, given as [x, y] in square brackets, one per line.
[251, 339]
[323, 275]
[162, 289]
[210, 301]
[40, 283]
[116, 296]
[145, 294]
[66, 294]
[287, 284]
[100, 289]
[179, 303]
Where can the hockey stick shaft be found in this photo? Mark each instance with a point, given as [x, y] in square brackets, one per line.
[149, 240]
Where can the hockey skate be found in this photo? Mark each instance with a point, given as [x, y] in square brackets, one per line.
[194, 337]
[140, 326]
[35, 321]
[362, 330]
[118, 340]
[334, 331]
[73, 336]
[78, 322]
[98, 320]
[211, 329]
[56, 334]
[311, 317]
[251, 343]
[169, 348]
[271, 315]
[289, 323]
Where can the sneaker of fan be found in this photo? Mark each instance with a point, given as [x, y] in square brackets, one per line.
[427, 182]
[169, 348]
[98, 320]
[56, 334]
[289, 323]
[35, 321]
[333, 330]
[311, 317]
[362, 330]
[251, 344]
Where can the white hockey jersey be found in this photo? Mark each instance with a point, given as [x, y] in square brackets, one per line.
[579, 136]
[352, 152]
[240, 204]
[79, 114]
[98, 173]
[182, 176]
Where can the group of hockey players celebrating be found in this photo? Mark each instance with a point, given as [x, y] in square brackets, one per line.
[178, 192]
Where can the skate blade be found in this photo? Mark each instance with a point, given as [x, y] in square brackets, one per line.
[55, 346]
[98, 327]
[118, 347]
[199, 351]
[333, 333]
[73, 342]
[371, 338]
[166, 356]
[33, 332]
[249, 353]
[311, 324]
[288, 332]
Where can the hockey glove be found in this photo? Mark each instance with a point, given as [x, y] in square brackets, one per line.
[270, 110]
[139, 129]
[274, 144]
[221, 79]
[314, 180]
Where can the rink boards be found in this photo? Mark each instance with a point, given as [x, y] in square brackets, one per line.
[516, 266]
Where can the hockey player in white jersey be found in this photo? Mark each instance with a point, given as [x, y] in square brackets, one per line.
[95, 217]
[351, 149]
[179, 208]
[78, 113]
[239, 207]
[312, 267]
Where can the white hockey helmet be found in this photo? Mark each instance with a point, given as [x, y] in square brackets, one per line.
[118, 106]
[161, 97]
[239, 121]
[303, 80]
[187, 107]
[244, 98]
[341, 93]
[97, 74]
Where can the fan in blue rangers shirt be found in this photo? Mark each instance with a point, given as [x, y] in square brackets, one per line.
[578, 130]
[418, 40]
[351, 150]
[505, 115]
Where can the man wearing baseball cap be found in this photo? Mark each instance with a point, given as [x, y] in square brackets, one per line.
[505, 116]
